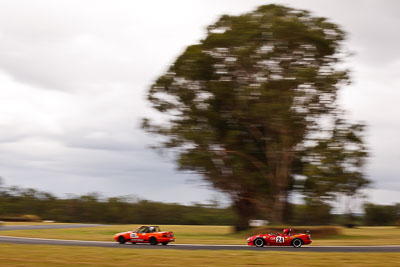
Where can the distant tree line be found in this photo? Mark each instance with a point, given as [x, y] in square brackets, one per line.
[382, 214]
[92, 208]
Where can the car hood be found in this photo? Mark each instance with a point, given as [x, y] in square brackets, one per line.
[260, 235]
[122, 233]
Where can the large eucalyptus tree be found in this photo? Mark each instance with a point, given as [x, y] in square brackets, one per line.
[242, 104]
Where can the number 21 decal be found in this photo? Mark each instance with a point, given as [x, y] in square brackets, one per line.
[280, 239]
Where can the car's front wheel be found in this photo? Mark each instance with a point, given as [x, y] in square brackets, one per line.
[121, 240]
[259, 242]
[297, 243]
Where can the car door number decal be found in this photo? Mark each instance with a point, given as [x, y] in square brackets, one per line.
[280, 239]
[134, 235]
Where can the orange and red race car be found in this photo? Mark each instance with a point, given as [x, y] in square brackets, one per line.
[287, 238]
[145, 234]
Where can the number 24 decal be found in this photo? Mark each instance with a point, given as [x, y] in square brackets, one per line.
[280, 239]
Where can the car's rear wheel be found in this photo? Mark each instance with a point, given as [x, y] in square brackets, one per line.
[164, 243]
[259, 242]
[297, 243]
[121, 240]
[153, 241]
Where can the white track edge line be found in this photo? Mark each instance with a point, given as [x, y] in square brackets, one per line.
[200, 245]
[52, 239]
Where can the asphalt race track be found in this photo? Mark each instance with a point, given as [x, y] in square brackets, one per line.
[43, 241]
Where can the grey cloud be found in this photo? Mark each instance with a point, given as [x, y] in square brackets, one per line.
[69, 119]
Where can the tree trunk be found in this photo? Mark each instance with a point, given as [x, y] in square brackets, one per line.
[281, 178]
[246, 210]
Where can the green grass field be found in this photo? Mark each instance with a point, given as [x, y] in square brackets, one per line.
[38, 255]
[189, 234]
[31, 223]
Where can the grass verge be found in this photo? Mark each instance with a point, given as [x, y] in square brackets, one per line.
[31, 223]
[40, 255]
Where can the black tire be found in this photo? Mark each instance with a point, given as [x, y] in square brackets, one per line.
[259, 242]
[164, 243]
[153, 241]
[133, 243]
[297, 242]
[121, 240]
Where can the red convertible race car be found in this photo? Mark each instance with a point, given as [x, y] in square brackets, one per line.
[287, 238]
[145, 234]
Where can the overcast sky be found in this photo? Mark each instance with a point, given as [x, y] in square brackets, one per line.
[74, 74]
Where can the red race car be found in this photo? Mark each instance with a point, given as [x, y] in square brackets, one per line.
[145, 234]
[287, 238]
